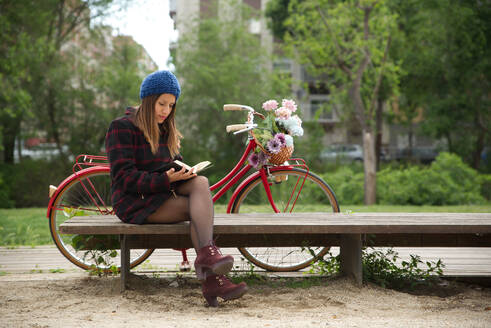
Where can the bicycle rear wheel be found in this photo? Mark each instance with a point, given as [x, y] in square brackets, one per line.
[87, 193]
[315, 196]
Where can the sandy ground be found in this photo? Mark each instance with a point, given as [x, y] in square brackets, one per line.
[51, 300]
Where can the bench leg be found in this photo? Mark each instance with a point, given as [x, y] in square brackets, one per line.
[351, 265]
[125, 262]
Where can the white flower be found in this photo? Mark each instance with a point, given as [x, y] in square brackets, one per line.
[288, 140]
[296, 131]
[296, 118]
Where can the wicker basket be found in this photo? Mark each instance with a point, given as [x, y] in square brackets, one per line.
[279, 158]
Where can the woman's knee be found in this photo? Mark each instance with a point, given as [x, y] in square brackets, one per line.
[197, 184]
[201, 182]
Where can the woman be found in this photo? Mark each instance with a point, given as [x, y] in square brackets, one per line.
[139, 146]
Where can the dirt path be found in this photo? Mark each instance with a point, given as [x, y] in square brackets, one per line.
[61, 300]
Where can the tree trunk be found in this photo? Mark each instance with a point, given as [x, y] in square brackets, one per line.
[449, 142]
[370, 167]
[378, 128]
[410, 141]
[476, 160]
[52, 113]
[480, 129]
[9, 133]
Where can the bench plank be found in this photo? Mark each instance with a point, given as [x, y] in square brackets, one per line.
[280, 240]
[300, 223]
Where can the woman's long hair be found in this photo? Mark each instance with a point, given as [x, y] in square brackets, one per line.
[146, 121]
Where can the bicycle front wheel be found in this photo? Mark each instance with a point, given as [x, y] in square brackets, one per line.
[87, 193]
[315, 196]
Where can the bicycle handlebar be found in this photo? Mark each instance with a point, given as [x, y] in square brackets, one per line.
[228, 107]
[236, 127]
[239, 128]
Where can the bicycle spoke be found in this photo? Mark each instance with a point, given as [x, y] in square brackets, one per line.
[88, 194]
[293, 191]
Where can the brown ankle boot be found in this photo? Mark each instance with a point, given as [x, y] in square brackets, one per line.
[219, 286]
[210, 257]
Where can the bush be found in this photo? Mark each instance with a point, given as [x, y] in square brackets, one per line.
[5, 201]
[486, 186]
[346, 184]
[28, 181]
[448, 181]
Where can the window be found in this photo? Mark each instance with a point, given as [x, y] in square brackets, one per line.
[254, 26]
[283, 65]
[322, 111]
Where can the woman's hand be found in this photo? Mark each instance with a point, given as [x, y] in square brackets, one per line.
[182, 174]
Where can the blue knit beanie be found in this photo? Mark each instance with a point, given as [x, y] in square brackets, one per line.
[160, 82]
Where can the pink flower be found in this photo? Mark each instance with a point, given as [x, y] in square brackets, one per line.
[263, 158]
[254, 160]
[281, 138]
[290, 104]
[298, 119]
[270, 105]
[274, 146]
[283, 113]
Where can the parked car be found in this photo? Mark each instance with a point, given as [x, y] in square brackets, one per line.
[424, 155]
[342, 153]
[47, 150]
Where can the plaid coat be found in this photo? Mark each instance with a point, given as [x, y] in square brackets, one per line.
[136, 186]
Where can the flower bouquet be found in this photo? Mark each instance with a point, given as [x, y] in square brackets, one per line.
[274, 135]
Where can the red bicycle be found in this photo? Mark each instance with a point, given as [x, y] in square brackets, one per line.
[289, 187]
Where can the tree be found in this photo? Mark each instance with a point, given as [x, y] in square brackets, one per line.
[348, 42]
[21, 50]
[446, 54]
[104, 88]
[36, 71]
[218, 62]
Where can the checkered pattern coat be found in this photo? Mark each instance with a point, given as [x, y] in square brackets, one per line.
[137, 188]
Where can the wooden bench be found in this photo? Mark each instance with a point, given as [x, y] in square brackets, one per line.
[349, 231]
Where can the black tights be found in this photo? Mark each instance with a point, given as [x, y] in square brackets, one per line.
[193, 203]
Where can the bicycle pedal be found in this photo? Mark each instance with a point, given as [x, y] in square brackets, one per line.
[280, 178]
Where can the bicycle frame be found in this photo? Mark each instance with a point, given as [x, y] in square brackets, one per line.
[237, 173]
[100, 164]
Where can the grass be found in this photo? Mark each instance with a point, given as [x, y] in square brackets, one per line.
[29, 226]
[385, 208]
[24, 226]
[418, 209]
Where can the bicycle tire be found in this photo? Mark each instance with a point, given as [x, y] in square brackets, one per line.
[74, 196]
[252, 199]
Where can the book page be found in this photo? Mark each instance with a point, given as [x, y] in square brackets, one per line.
[187, 167]
[201, 165]
[198, 167]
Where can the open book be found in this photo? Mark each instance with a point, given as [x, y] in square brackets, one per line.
[198, 167]
[178, 165]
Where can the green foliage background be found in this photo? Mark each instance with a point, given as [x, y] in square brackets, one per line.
[447, 181]
[440, 51]
[224, 64]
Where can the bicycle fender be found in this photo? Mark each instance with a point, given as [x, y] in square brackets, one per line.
[62, 185]
[250, 178]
